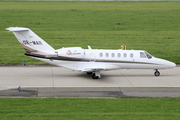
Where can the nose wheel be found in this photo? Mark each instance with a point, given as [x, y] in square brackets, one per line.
[156, 73]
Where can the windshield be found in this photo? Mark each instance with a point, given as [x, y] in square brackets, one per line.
[148, 55]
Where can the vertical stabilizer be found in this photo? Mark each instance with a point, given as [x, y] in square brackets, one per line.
[29, 40]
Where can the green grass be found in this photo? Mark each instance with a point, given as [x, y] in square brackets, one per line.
[150, 26]
[89, 109]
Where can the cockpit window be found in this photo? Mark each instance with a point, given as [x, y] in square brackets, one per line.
[148, 55]
[142, 55]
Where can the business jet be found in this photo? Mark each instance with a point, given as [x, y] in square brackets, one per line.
[91, 61]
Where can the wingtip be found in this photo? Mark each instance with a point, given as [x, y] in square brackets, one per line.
[16, 29]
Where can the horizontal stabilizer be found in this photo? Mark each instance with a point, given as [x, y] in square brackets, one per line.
[17, 29]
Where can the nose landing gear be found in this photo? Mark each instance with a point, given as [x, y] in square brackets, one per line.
[156, 73]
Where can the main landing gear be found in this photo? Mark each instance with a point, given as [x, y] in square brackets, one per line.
[95, 74]
[89, 73]
[156, 73]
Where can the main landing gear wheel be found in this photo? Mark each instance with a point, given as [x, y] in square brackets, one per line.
[156, 73]
[94, 76]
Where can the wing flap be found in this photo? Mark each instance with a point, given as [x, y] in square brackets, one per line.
[94, 69]
[100, 67]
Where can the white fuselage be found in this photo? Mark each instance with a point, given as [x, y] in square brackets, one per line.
[80, 59]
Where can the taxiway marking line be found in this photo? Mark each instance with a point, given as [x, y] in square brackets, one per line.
[90, 86]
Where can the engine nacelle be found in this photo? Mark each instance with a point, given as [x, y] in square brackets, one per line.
[75, 52]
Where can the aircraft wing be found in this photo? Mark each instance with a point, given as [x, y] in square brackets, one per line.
[94, 69]
[91, 67]
[100, 67]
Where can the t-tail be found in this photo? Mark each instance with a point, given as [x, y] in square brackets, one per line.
[30, 41]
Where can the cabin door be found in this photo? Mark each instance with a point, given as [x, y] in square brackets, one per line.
[92, 57]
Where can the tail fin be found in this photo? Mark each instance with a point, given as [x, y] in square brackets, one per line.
[29, 40]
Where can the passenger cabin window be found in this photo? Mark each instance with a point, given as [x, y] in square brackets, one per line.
[119, 54]
[149, 56]
[100, 54]
[112, 54]
[131, 55]
[125, 55]
[107, 54]
[142, 55]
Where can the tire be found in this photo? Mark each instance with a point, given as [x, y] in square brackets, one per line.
[94, 76]
[157, 73]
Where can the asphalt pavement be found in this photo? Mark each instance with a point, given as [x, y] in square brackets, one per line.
[51, 81]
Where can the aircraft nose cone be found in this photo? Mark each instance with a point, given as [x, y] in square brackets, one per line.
[165, 64]
[171, 64]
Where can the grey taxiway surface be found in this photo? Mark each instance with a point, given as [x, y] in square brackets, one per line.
[51, 81]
